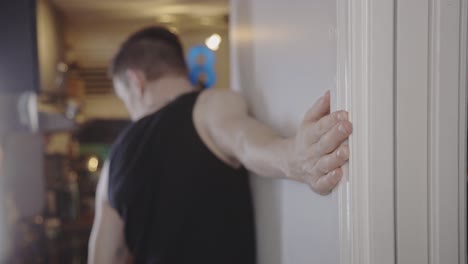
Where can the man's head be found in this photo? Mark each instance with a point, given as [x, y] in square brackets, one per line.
[147, 56]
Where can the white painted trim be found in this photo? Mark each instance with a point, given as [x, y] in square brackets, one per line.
[431, 131]
[365, 88]
[445, 121]
[339, 100]
[463, 133]
[412, 131]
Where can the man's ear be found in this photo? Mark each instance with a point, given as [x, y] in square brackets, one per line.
[137, 80]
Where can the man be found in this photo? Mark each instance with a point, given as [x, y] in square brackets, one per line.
[175, 189]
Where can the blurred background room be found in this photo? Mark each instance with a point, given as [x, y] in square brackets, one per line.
[70, 113]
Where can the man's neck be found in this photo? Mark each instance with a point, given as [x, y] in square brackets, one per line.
[163, 91]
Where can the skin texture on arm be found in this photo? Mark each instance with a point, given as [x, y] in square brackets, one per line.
[107, 243]
[313, 156]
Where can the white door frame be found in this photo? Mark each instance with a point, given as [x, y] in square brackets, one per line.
[402, 75]
[431, 131]
[365, 87]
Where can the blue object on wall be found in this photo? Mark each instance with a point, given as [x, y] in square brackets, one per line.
[206, 67]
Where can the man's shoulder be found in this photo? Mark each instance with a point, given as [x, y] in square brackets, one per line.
[223, 95]
[220, 102]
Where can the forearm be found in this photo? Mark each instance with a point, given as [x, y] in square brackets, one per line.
[239, 138]
[106, 243]
[261, 150]
[314, 155]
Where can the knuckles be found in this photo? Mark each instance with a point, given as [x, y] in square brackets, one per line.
[319, 149]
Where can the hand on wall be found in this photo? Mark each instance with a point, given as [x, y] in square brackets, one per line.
[319, 149]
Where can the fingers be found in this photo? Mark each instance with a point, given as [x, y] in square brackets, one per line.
[321, 148]
[320, 109]
[332, 161]
[325, 184]
[333, 138]
[318, 129]
[328, 182]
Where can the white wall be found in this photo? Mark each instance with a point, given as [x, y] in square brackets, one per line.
[283, 59]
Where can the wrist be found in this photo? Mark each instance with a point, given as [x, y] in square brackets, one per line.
[287, 146]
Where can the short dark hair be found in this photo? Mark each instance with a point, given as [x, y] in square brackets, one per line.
[155, 51]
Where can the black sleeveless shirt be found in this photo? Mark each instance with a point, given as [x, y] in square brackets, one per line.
[179, 202]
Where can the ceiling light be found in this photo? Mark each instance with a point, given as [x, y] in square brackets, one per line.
[213, 42]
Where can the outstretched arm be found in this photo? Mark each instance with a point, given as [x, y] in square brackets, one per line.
[314, 156]
[106, 244]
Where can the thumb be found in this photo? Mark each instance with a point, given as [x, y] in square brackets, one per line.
[320, 109]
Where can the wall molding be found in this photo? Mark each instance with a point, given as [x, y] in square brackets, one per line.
[365, 88]
[431, 131]
[447, 131]
[463, 132]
